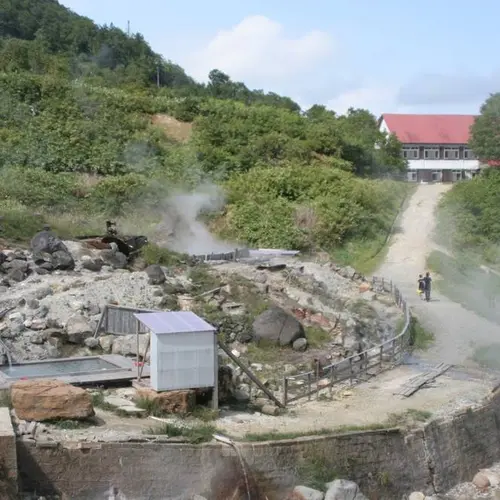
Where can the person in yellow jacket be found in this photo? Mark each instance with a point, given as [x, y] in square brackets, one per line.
[421, 286]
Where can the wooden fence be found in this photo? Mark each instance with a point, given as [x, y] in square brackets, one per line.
[367, 363]
[119, 320]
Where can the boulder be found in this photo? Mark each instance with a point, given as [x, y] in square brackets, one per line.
[417, 495]
[342, 489]
[155, 274]
[62, 260]
[481, 481]
[50, 399]
[46, 242]
[169, 401]
[305, 493]
[117, 260]
[91, 264]
[278, 327]
[126, 345]
[300, 344]
[78, 329]
[19, 264]
[17, 275]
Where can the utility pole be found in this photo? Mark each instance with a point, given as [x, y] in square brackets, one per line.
[128, 28]
[158, 76]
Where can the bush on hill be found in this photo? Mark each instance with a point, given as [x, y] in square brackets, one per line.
[77, 142]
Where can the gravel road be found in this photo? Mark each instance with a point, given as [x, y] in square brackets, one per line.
[458, 331]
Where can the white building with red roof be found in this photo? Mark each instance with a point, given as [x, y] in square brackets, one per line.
[434, 145]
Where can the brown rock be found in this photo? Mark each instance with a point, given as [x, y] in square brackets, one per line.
[481, 481]
[169, 401]
[365, 287]
[50, 399]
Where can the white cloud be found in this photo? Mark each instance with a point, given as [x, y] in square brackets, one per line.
[376, 99]
[258, 52]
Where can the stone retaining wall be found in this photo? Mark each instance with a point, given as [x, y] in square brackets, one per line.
[386, 463]
[8, 460]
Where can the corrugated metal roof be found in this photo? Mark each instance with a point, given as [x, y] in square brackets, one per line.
[174, 322]
[430, 129]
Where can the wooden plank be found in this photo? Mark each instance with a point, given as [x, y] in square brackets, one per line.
[415, 383]
[250, 375]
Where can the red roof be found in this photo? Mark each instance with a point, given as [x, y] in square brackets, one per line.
[430, 129]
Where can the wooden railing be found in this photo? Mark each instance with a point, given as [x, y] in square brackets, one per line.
[368, 363]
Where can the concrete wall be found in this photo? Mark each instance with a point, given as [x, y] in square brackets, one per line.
[385, 463]
[8, 460]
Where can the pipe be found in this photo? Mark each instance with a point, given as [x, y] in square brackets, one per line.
[223, 439]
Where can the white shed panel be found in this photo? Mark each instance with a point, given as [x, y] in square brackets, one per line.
[181, 357]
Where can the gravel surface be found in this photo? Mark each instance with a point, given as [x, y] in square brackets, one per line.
[458, 331]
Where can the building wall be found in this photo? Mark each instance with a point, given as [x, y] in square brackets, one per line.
[386, 464]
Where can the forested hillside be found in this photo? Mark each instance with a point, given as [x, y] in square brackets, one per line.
[78, 141]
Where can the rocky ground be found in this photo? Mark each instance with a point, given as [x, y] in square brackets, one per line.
[50, 304]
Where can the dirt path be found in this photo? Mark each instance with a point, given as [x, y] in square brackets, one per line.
[458, 331]
[348, 407]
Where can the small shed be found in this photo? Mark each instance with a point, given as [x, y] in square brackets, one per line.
[183, 351]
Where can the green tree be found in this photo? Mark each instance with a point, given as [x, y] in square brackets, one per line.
[485, 133]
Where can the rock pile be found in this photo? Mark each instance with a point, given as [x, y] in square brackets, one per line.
[340, 489]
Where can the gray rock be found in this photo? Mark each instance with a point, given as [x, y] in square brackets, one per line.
[46, 242]
[37, 338]
[342, 489]
[277, 326]
[91, 264]
[300, 344]
[305, 493]
[42, 312]
[41, 293]
[155, 274]
[17, 275]
[116, 260]
[22, 265]
[106, 343]
[242, 393]
[91, 343]
[126, 345]
[32, 303]
[38, 324]
[78, 329]
[62, 260]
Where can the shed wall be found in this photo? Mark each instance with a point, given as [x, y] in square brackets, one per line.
[182, 361]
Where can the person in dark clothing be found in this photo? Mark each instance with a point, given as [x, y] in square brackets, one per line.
[427, 286]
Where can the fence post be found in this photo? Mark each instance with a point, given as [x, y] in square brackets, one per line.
[317, 379]
[285, 390]
[381, 355]
[332, 378]
[350, 371]
[393, 350]
[309, 386]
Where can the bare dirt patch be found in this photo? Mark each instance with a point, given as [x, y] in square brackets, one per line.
[174, 129]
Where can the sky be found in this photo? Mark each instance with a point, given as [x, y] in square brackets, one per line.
[386, 56]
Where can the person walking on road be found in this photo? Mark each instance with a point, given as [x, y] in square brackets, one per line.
[427, 286]
[421, 286]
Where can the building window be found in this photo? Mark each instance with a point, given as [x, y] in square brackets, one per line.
[431, 154]
[410, 153]
[468, 154]
[412, 175]
[451, 154]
